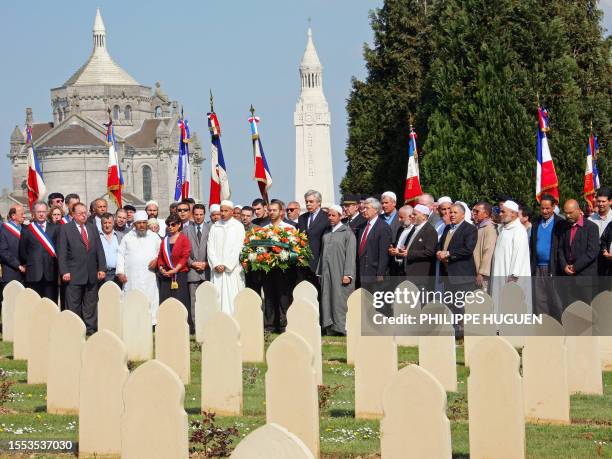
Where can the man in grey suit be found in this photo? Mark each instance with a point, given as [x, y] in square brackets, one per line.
[82, 264]
[197, 232]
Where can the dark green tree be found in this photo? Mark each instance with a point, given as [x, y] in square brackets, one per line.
[379, 108]
[492, 59]
[470, 72]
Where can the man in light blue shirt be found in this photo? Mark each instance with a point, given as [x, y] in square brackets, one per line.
[110, 243]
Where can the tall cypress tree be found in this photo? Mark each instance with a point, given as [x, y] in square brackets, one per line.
[378, 109]
[491, 61]
[470, 70]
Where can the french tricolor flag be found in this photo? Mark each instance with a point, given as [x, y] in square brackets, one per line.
[114, 181]
[184, 171]
[546, 177]
[36, 184]
[413, 184]
[219, 182]
[591, 175]
[262, 171]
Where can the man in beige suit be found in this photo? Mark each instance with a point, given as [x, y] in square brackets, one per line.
[485, 246]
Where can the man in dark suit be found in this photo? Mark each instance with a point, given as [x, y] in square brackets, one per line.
[373, 242]
[420, 251]
[546, 233]
[81, 264]
[578, 251]
[354, 220]
[456, 249]
[38, 253]
[10, 234]
[456, 256]
[198, 261]
[314, 222]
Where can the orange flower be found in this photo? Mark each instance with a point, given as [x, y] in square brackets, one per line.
[276, 249]
[284, 239]
[260, 258]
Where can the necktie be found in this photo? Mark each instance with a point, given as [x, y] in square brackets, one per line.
[363, 239]
[84, 236]
[310, 220]
[199, 233]
[447, 239]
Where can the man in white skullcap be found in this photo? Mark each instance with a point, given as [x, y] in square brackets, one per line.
[336, 271]
[511, 261]
[225, 241]
[152, 210]
[443, 208]
[215, 213]
[388, 201]
[137, 259]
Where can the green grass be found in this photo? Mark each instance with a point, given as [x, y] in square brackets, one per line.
[341, 434]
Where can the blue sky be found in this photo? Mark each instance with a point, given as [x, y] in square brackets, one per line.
[247, 52]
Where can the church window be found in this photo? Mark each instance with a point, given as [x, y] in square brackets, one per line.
[128, 112]
[116, 111]
[60, 115]
[146, 183]
[158, 112]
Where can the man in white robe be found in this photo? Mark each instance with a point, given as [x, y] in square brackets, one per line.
[225, 241]
[511, 261]
[137, 259]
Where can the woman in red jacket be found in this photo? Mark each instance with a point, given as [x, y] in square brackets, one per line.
[172, 265]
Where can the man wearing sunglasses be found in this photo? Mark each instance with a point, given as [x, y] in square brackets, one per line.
[56, 199]
[293, 212]
[184, 212]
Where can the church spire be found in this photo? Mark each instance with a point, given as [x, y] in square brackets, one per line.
[311, 70]
[99, 32]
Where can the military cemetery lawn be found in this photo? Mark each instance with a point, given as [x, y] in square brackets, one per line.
[589, 435]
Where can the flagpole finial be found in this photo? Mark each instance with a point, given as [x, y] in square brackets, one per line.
[212, 106]
[182, 113]
[538, 98]
[410, 119]
[252, 110]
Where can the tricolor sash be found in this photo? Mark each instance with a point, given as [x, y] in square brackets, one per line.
[13, 229]
[65, 220]
[167, 252]
[43, 238]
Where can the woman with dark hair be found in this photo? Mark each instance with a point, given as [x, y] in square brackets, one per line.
[172, 265]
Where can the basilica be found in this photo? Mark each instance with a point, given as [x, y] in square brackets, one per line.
[72, 150]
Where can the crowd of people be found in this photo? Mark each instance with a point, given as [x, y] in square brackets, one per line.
[67, 250]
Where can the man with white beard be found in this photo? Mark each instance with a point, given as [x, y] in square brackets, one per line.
[225, 241]
[137, 260]
[511, 262]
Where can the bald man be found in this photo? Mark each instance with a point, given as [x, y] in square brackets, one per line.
[578, 250]
[579, 243]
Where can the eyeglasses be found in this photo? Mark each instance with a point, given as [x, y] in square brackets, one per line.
[172, 225]
[291, 209]
[183, 210]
